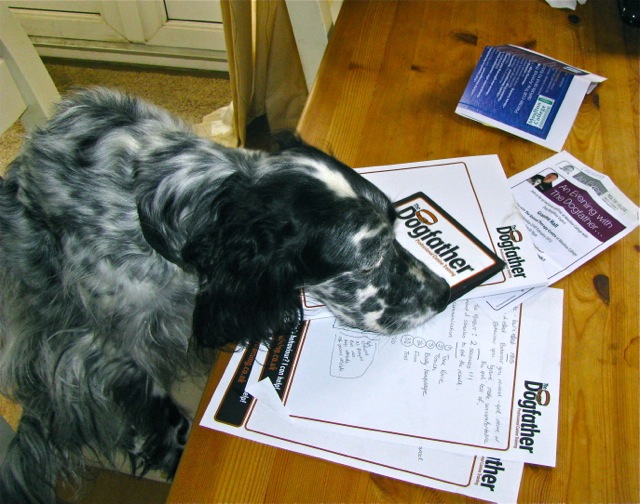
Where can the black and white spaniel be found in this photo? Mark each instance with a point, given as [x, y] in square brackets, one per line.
[127, 243]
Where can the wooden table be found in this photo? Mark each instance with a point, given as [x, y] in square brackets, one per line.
[386, 93]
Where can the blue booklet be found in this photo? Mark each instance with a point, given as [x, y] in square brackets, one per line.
[526, 93]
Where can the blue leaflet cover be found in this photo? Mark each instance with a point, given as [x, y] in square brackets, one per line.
[519, 88]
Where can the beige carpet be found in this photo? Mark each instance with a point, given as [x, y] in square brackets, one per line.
[190, 95]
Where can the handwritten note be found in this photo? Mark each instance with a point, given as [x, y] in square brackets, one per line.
[460, 365]
[353, 352]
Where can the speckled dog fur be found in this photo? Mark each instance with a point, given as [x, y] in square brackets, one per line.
[127, 243]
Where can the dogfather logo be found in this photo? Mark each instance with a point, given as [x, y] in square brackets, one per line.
[444, 245]
[534, 399]
[420, 222]
[508, 239]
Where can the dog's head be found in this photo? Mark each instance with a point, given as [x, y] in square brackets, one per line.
[305, 220]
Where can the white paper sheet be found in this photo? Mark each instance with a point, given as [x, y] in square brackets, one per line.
[572, 219]
[445, 406]
[462, 366]
[489, 478]
[565, 4]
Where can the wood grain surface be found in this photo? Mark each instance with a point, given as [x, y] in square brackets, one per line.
[386, 93]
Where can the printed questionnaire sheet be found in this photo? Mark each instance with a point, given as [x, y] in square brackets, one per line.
[455, 383]
[370, 371]
[264, 419]
[234, 411]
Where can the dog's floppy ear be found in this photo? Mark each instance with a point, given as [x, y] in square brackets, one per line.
[249, 278]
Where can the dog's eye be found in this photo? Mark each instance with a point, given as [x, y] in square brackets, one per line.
[370, 267]
[392, 215]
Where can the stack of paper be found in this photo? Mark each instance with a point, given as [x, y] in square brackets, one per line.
[474, 191]
[462, 402]
[457, 405]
